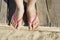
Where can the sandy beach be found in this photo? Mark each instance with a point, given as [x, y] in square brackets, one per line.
[7, 33]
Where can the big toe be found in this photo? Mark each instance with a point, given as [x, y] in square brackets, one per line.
[35, 25]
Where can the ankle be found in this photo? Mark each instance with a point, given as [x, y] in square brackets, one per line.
[20, 13]
[21, 10]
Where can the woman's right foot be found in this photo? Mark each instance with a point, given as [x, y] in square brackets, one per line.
[15, 24]
[18, 16]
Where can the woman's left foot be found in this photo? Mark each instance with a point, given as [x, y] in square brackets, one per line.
[33, 19]
[33, 24]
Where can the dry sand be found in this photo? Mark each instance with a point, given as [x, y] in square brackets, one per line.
[23, 34]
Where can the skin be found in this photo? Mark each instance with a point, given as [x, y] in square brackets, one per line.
[31, 12]
[20, 11]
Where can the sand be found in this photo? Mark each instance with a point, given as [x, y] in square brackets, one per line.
[7, 33]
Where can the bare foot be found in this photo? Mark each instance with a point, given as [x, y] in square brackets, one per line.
[33, 19]
[36, 24]
[17, 18]
[15, 22]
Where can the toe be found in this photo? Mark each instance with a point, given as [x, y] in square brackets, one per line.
[30, 27]
[35, 24]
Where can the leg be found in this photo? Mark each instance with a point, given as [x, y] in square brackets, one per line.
[19, 13]
[31, 12]
[20, 8]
